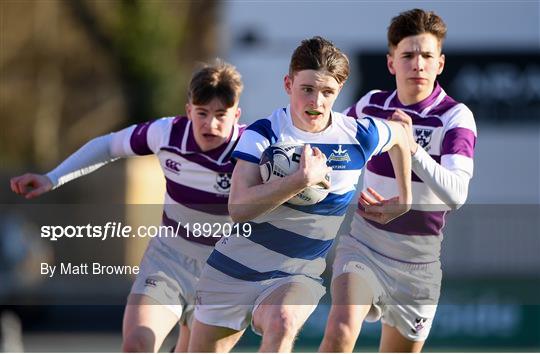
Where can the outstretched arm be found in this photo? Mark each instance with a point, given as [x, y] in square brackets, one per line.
[31, 185]
[91, 156]
[88, 158]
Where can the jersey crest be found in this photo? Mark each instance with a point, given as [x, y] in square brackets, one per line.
[223, 182]
[423, 137]
[339, 155]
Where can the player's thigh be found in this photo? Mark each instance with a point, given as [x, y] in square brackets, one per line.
[355, 280]
[351, 289]
[212, 339]
[290, 304]
[145, 319]
[351, 302]
[393, 341]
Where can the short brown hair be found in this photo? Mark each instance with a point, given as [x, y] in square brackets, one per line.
[414, 22]
[318, 53]
[215, 80]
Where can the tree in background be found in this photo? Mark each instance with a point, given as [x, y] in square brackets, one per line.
[72, 70]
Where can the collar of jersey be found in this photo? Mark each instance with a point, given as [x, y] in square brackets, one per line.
[418, 106]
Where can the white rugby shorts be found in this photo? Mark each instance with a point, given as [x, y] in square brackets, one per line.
[229, 302]
[405, 295]
[170, 278]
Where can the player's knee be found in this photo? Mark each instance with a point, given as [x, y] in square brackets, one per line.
[282, 325]
[141, 340]
[340, 334]
[344, 330]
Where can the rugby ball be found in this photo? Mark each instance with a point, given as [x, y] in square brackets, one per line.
[282, 159]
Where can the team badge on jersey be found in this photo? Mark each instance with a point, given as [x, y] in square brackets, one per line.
[339, 155]
[423, 136]
[223, 182]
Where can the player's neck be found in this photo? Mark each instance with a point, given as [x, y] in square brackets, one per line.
[408, 96]
[311, 126]
[205, 146]
[411, 99]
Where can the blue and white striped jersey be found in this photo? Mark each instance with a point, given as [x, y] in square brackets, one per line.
[294, 239]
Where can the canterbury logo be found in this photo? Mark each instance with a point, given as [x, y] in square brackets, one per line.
[150, 282]
[172, 165]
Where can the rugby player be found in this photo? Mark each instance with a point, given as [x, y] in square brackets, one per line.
[195, 156]
[272, 278]
[392, 271]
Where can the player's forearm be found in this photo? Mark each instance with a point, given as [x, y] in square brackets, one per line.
[450, 186]
[249, 203]
[90, 157]
[401, 163]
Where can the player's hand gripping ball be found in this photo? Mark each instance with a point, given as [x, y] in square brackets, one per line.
[282, 159]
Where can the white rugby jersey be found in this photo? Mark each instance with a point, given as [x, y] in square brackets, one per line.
[447, 131]
[197, 182]
[294, 239]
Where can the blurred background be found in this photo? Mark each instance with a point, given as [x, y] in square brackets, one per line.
[74, 70]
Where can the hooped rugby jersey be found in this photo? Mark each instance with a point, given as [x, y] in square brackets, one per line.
[197, 182]
[294, 239]
[446, 130]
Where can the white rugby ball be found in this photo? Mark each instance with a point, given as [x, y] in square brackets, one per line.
[282, 159]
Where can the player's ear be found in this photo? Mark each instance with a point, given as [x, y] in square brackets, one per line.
[238, 114]
[390, 63]
[287, 81]
[442, 59]
[188, 110]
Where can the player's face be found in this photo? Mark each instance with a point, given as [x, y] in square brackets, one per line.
[312, 94]
[416, 62]
[212, 123]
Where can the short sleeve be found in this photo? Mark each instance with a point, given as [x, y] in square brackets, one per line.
[373, 135]
[255, 139]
